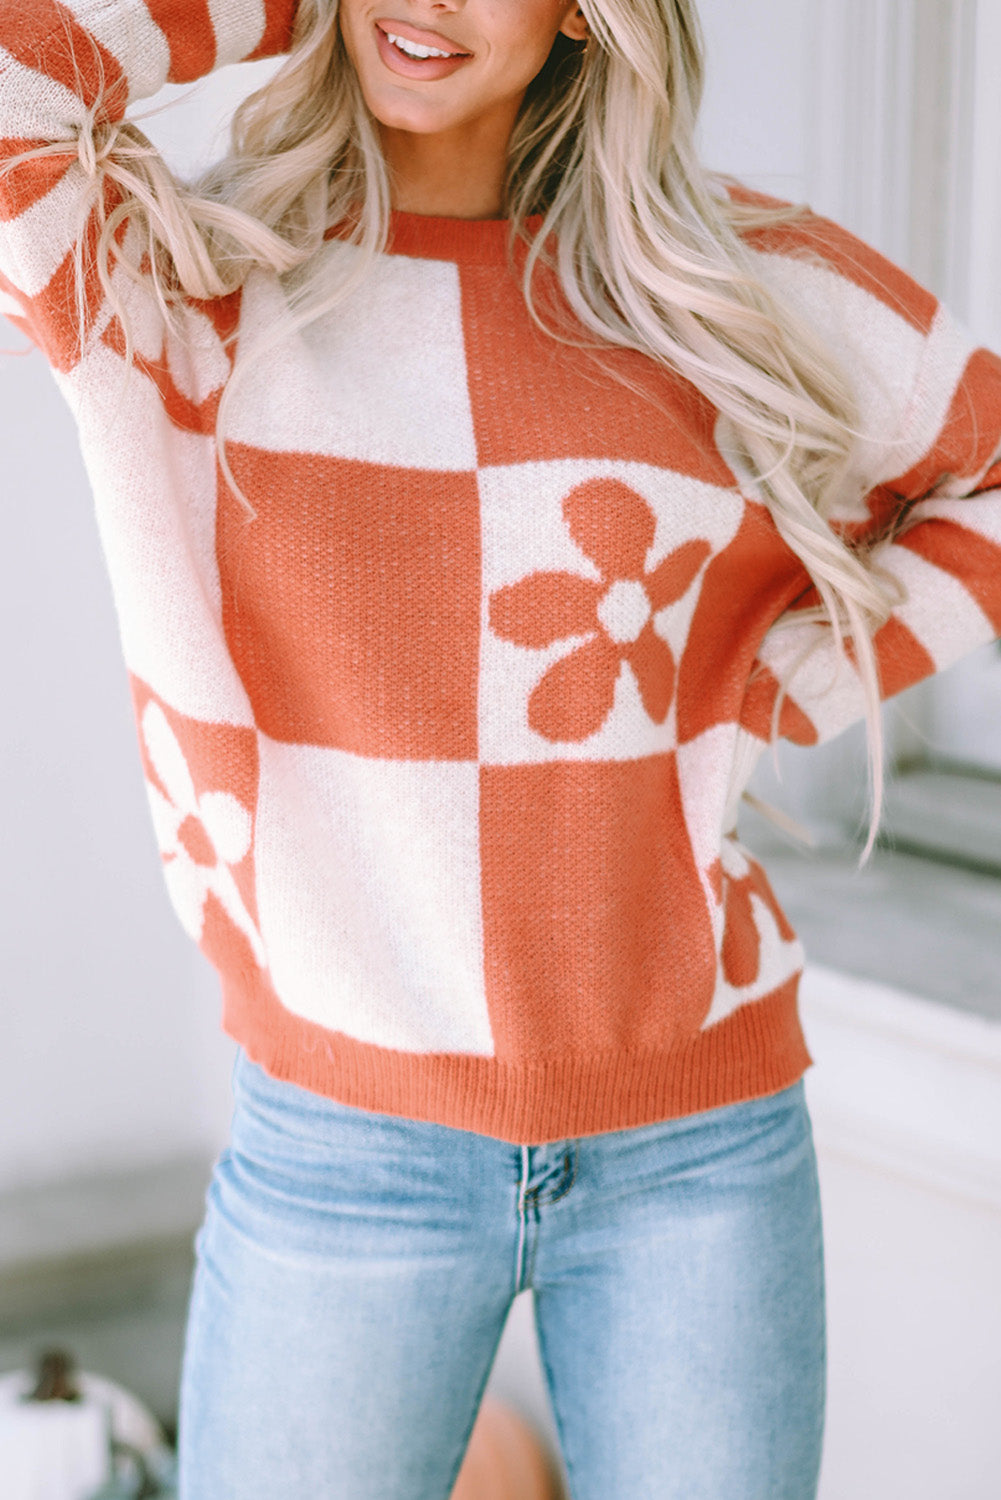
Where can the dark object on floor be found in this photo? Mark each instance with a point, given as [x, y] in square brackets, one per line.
[55, 1378]
[69, 1433]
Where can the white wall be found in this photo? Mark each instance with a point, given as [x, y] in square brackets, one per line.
[756, 112]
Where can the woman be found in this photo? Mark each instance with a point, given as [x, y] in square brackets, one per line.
[483, 485]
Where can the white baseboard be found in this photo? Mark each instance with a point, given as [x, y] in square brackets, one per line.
[904, 1084]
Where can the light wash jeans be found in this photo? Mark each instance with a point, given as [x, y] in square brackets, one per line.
[355, 1270]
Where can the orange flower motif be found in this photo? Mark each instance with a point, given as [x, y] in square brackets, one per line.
[734, 885]
[615, 528]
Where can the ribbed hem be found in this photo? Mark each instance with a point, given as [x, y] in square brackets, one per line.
[758, 1049]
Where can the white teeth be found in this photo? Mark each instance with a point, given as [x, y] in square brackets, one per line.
[414, 49]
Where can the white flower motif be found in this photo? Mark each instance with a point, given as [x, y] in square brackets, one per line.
[199, 837]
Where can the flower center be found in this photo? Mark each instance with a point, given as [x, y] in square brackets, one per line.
[192, 837]
[624, 609]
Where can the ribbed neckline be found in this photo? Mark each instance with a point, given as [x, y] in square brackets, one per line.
[431, 237]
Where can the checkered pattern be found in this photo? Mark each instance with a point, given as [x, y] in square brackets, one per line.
[444, 747]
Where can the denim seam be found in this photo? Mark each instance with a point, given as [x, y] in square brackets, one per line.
[541, 1195]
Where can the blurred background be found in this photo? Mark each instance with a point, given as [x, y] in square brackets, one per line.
[114, 1073]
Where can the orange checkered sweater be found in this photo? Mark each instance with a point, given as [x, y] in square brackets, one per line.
[444, 748]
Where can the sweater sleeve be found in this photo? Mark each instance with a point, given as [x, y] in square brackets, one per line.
[68, 70]
[943, 549]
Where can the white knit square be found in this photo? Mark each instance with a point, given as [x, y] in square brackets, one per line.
[381, 378]
[368, 892]
[525, 532]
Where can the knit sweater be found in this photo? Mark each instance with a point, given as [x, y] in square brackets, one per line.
[444, 749]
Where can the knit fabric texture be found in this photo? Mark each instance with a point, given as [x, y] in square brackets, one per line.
[444, 749]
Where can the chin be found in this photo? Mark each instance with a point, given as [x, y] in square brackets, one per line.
[412, 118]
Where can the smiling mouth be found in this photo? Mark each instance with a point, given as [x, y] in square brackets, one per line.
[420, 51]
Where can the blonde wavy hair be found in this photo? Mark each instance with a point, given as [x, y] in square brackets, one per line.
[645, 241]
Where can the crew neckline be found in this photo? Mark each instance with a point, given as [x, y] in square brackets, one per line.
[438, 237]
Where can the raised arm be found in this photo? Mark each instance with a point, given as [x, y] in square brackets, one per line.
[69, 69]
[945, 552]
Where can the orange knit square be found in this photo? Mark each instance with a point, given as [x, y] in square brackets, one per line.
[351, 604]
[631, 967]
[534, 398]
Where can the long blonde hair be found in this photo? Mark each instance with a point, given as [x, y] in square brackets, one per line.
[648, 251]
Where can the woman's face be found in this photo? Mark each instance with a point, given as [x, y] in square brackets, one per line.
[493, 49]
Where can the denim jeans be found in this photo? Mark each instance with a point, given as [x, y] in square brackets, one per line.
[355, 1270]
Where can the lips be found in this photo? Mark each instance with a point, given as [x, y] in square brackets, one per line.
[417, 69]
